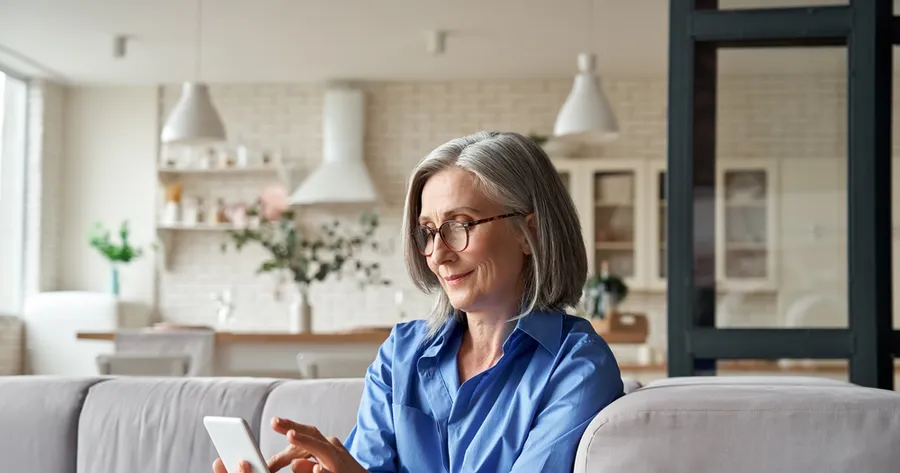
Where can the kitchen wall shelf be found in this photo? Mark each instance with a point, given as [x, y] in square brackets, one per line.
[230, 184]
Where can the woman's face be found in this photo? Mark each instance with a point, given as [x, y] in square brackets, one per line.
[486, 276]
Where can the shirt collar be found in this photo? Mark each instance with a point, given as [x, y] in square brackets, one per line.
[439, 340]
[544, 327]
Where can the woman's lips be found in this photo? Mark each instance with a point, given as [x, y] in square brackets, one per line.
[455, 279]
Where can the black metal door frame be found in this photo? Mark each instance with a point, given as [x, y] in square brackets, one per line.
[697, 30]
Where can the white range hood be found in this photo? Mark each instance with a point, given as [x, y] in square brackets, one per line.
[342, 177]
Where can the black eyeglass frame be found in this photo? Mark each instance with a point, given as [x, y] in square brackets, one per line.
[433, 232]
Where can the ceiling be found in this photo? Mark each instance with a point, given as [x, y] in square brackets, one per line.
[317, 40]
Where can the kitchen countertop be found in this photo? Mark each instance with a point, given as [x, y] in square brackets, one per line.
[360, 335]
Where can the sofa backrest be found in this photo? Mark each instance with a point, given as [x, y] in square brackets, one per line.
[39, 422]
[328, 404]
[138, 424]
[745, 425]
[153, 425]
[143, 425]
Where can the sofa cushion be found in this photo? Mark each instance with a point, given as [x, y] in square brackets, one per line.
[745, 426]
[328, 404]
[155, 425]
[39, 422]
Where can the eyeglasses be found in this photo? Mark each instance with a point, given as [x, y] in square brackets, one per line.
[454, 234]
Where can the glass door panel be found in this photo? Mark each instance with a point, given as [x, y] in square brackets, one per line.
[614, 222]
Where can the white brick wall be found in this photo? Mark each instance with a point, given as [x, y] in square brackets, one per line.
[766, 116]
[404, 122]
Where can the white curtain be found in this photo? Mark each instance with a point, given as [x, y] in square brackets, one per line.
[13, 137]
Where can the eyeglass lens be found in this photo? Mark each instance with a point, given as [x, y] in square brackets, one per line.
[453, 234]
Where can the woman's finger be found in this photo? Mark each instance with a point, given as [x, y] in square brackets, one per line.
[283, 426]
[320, 469]
[286, 457]
[302, 466]
[321, 450]
[242, 467]
[336, 443]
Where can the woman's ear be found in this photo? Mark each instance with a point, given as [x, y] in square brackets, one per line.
[531, 226]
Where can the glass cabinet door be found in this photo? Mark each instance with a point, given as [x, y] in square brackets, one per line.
[614, 217]
[745, 219]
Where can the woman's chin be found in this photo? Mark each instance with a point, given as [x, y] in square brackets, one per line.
[460, 300]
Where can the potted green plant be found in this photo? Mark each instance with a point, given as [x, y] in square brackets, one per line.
[604, 292]
[117, 254]
[308, 257]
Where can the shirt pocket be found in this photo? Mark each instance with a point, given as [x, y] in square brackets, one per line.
[418, 438]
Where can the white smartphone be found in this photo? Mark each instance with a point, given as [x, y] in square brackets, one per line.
[234, 442]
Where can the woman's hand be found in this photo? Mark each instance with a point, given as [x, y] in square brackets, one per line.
[306, 444]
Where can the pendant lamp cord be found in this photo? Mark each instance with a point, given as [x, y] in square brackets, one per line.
[590, 24]
[198, 39]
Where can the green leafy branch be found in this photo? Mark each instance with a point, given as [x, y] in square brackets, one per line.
[100, 238]
[312, 257]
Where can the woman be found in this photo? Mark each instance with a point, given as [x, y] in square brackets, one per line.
[498, 378]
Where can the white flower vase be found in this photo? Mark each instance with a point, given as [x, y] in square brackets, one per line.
[300, 313]
[610, 304]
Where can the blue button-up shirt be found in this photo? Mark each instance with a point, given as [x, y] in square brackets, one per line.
[527, 413]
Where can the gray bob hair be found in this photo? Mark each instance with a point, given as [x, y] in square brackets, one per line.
[516, 173]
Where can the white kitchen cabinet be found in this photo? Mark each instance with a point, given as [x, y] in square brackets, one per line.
[608, 194]
[622, 206]
[746, 224]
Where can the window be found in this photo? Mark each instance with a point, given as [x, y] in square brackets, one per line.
[13, 137]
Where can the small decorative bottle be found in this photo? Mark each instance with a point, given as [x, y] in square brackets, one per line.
[220, 215]
[607, 298]
[201, 213]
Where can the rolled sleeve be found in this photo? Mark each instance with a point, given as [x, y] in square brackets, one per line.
[585, 382]
[372, 441]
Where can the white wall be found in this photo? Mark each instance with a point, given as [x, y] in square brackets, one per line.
[109, 175]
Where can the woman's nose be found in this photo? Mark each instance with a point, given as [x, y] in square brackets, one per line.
[441, 252]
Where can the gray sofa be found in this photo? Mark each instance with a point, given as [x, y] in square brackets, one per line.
[695, 425]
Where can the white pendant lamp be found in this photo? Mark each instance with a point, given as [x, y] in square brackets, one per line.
[586, 116]
[194, 119]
